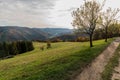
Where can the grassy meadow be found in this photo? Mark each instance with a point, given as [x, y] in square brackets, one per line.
[61, 62]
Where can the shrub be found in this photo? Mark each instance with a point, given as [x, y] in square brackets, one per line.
[82, 39]
[48, 44]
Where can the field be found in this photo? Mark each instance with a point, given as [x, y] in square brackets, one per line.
[61, 62]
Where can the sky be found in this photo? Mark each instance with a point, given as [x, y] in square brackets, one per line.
[42, 13]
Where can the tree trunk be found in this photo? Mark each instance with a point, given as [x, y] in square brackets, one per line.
[91, 45]
[106, 34]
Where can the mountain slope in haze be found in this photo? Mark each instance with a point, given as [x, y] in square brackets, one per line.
[14, 33]
[57, 31]
[9, 33]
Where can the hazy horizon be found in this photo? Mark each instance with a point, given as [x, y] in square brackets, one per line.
[41, 13]
[39, 27]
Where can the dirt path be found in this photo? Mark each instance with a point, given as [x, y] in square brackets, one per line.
[93, 71]
[116, 74]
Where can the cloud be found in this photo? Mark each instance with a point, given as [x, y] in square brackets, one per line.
[41, 13]
[37, 13]
[25, 12]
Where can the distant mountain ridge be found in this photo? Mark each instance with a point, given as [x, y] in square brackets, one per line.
[56, 31]
[15, 33]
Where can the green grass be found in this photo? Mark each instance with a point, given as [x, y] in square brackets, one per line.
[57, 63]
[109, 68]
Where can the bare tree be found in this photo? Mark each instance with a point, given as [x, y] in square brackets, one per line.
[86, 17]
[108, 17]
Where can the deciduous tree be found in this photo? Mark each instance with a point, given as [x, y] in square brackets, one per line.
[108, 17]
[86, 17]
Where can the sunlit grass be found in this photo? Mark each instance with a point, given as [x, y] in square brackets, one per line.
[57, 63]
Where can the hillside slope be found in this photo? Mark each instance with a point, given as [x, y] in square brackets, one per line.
[57, 31]
[57, 63]
[14, 33]
[9, 33]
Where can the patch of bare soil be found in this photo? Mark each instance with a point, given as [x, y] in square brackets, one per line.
[94, 70]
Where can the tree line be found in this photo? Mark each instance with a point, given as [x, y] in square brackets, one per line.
[112, 31]
[91, 17]
[14, 48]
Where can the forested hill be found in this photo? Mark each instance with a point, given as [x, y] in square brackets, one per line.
[14, 33]
[57, 31]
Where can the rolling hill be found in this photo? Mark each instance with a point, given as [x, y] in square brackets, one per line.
[20, 33]
[15, 33]
[57, 31]
[57, 63]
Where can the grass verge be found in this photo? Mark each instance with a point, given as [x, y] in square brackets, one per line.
[109, 68]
